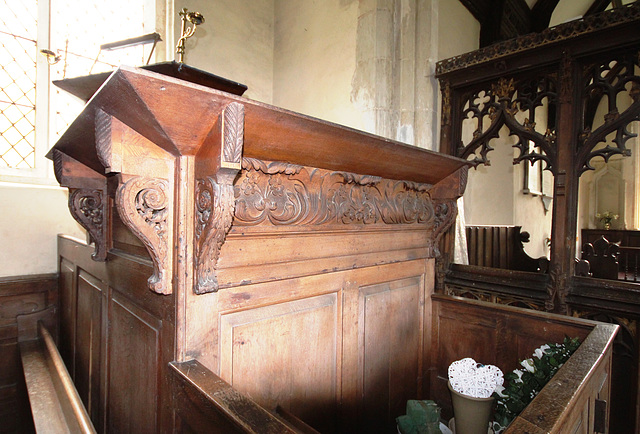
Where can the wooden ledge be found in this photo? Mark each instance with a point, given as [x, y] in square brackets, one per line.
[213, 406]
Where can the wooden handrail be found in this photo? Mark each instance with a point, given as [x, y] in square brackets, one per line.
[207, 403]
[55, 403]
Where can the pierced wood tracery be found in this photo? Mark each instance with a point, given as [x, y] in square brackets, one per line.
[612, 82]
[143, 205]
[89, 208]
[516, 105]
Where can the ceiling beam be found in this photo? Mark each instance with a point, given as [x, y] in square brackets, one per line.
[597, 6]
[541, 14]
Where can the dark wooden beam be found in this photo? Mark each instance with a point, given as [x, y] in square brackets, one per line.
[597, 6]
[480, 9]
[541, 14]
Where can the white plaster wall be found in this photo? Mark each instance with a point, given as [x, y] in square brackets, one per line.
[494, 196]
[314, 58]
[458, 30]
[235, 42]
[30, 219]
[528, 212]
[489, 197]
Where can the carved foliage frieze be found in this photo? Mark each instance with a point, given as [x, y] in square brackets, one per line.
[284, 194]
[214, 215]
[89, 208]
[143, 205]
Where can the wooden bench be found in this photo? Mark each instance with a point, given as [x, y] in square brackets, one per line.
[502, 247]
[609, 260]
[55, 404]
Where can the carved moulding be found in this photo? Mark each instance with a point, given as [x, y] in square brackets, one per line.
[89, 208]
[215, 205]
[284, 194]
[143, 205]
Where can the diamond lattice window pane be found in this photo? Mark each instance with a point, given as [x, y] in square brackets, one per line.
[18, 29]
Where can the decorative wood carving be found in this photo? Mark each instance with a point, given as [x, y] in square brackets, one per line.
[215, 202]
[611, 79]
[233, 133]
[89, 208]
[549, 36]
[215, 205]
[500, 104]
[103, 138]
[284, 194]
[143, 205]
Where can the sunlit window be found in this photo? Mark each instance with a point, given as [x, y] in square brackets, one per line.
[77, 30]
[18, 51]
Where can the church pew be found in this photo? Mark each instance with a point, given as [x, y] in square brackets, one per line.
[577, 396]
[502, 247]
[55, 404]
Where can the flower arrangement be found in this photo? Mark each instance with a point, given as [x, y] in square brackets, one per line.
[607, 217]
[522, 385]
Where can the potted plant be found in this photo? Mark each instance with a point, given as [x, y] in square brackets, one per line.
[522, 385]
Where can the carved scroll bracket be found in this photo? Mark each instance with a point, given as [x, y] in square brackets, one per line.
[90, 208]
[143, 205]
[88, 201]
[215, 205]
[215, 201]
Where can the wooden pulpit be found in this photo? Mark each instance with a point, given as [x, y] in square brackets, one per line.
[292, 258]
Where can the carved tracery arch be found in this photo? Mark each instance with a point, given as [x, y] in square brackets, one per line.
[516, 105]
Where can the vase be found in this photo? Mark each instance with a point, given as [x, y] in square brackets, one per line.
[471, 414]
[607, 225]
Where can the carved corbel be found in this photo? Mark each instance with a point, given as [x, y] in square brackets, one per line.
[215, 205]
[445, 195]
[90, 208]
[215, 202]
[143, 205]
[88, 201]
[144, 197]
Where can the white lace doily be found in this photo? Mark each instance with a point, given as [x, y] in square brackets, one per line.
[474, 379]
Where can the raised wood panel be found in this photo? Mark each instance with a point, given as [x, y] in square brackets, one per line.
[390, 331]
[89, 354]
[67, 288]
[135, 356]
[286, 354]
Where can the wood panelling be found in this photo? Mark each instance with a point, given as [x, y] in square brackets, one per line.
[490, 334]
[134, 369]
[117, 339]
[68, 288]
[286, 354]
[19, 296]
[390, 332]
[89, 346]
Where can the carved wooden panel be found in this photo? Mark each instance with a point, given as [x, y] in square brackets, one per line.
[89, 354]
[286, 354]
[135, 354]
[299, 195]
[390, 335]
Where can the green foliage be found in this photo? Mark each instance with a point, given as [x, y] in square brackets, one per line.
[522, 385]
